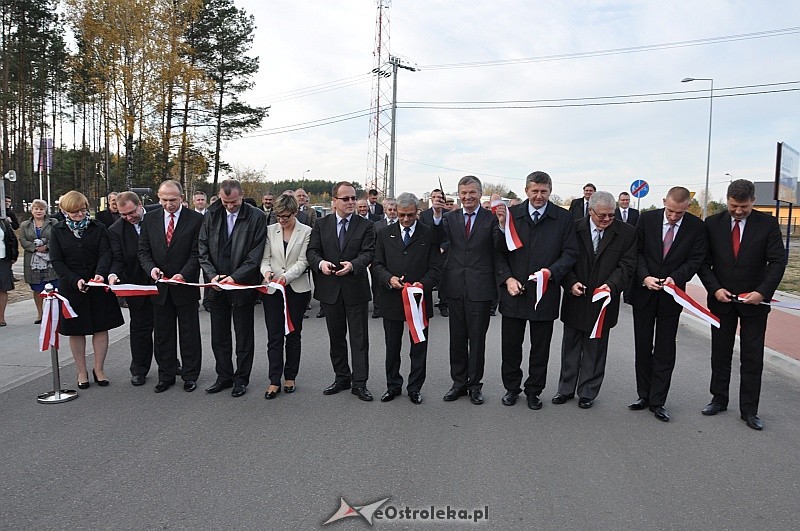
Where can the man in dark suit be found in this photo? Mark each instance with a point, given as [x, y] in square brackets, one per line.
[438, 208]
[470, 285]
[579, 208]
[672, 245]
[168, 248]
[406, 252]
[123, 236]
[390, 217]
[231, 246]
[266, 207]
[745, 259]
[606, 260]
[11, 217]
[624, 211]
[548, 241]
[341, 248]
[375, 208]
[111, 214]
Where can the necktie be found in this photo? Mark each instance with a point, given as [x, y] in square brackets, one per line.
[596, 239]
[469, 223]
[170, 228]
[669, 237]
[625, 215]
[231, 223]
[535, 217]
[585, 208]
[736, 238]
[342, 232]
[407, 235]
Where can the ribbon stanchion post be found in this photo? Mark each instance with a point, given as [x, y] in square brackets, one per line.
[49, 338]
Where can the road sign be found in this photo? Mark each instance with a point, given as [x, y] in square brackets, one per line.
[639, 188]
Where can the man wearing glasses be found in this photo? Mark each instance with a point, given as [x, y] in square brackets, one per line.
[606, 260]
[341, 248]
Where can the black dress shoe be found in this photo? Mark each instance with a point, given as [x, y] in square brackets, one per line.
[660, 413]
[561, 398]
[217, 387]
[534, 402]
[83, 385]
[415, 397]
[585, 403]
[162, 386]
[269, 395]
[444, 311]
[321, 313]
[189, 385]
[713, 408]
[238, 390]
[753, 422]
[639, 405]
[454, 394]
[336, 387]
[510, 398]
[101, 383]
[476, 397]
[362, 393]
[138, 379]
[388, 396]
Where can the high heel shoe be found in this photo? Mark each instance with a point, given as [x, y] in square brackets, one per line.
[101, 383]
[269, 395]
[83, 385]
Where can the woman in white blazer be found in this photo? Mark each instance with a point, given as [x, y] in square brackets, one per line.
[285, 262]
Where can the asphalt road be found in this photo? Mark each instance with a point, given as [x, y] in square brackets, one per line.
[124, 457]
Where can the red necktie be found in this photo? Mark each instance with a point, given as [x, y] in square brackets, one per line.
[736, 237]
[170, 228]
[469, 223]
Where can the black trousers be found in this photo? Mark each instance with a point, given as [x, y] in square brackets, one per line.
[276, 338]
[469, 322]
[222, 311]
[655, 360]
[393, 332]
[172, 323]
[141, 335]
[583, 363]
[513, 332]
[752, 332]
[342, 319]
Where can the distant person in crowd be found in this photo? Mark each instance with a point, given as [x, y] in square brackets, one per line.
[389, 217]
[375, 208]
[579, 208]
[406, 253]
[284, 261]
[451, 204]
[362, 210]
[200, 200]
[624, 211]
[606, 260]
[549, 244]
[123, 236]
[672, 245]
[11, 216]
[110, 214]
[34, 236]
[80, 252]
[437, 209]
[9, 252]
[267, 201]
[168, 248]
[230, 248]
[744, 265]
[341, 248]
[302, 201]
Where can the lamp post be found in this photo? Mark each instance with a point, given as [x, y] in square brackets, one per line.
[710, 112]
[303, 177]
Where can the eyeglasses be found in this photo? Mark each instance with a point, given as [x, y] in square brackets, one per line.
[347, 198]
[76, 212]
[603, 216]
[284, 217]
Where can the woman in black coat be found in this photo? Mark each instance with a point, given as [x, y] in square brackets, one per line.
[80, 252]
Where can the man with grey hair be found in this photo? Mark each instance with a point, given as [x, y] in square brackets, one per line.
[302, 205]
[606, 262]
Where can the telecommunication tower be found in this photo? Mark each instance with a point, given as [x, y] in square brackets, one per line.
[380, 106]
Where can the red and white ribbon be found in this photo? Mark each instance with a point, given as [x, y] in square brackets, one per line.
[416, 316]
[126, 290]
[512, 238]
[48, 331]
[682, 298]
[288, 326]
[542, 279]
[772, 302]
[603, 294]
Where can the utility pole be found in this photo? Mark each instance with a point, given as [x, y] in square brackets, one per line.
[395, 62]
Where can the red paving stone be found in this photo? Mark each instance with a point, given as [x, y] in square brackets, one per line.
[781, 325]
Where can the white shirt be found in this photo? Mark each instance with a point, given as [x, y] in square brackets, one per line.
[665, 227]
[412, 228]
[594, 227]
[167, 215]
[741, 227]
[339, 222]
[531, 210]
[2, 242]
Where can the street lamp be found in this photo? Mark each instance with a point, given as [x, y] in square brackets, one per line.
[710, 112]
[303, 177]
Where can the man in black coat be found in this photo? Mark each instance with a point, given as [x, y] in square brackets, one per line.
[745, 259]
[123, 236]
[230, 248]
[406, 252]
[168, 248]
[437, 209]
[375, 208]
[469, 284]
[111, 214]
[389, 217]
[672, 245]
[624, 211]
[548, 239]
[606, 260]
[341, 247]
[579, 208]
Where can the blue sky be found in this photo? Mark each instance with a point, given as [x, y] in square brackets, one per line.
[307, 44]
